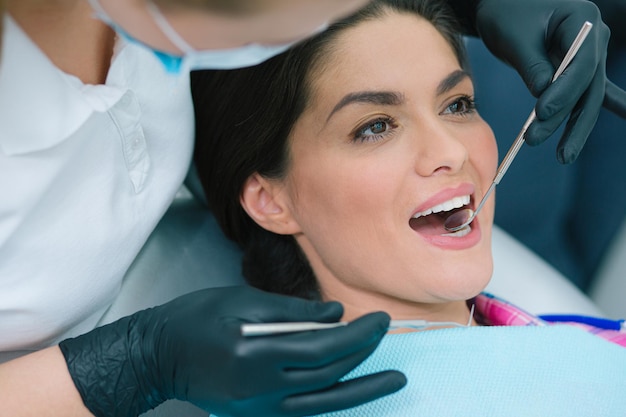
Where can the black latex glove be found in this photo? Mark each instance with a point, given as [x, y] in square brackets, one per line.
[533, 36]
[191, 349]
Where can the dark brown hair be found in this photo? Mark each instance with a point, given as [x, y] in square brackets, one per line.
[243, 122]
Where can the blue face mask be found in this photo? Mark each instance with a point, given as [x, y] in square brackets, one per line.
[191, 59]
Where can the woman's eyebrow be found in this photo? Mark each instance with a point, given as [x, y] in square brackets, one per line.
[392, 98]
[451, 81]
[385, 98]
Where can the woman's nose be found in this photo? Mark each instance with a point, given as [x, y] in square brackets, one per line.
[439, 150]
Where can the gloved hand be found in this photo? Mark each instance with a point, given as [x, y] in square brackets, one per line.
[192, 349]
[533, 37]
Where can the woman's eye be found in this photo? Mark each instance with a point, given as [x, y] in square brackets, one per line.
[374, 130]
[378, 127]
[462, 106]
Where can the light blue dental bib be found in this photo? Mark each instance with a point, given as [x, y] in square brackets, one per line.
[516, 371]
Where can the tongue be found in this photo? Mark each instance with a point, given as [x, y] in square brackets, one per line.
[430, 225]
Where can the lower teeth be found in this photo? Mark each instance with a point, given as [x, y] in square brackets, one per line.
[459, 233]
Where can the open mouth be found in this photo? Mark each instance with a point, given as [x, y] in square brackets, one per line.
[430, 222]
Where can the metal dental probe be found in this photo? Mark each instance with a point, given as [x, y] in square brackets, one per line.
[264, 329]
[460, 219]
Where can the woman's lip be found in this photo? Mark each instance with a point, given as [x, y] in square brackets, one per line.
[456, 243]
[445, 195]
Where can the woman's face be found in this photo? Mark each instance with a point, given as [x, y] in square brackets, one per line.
[390, 132]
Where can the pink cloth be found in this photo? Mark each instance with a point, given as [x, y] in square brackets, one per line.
[494, 311]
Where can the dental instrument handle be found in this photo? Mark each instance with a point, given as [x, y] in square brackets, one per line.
[519, 140]
[266, 329]
[263, 329]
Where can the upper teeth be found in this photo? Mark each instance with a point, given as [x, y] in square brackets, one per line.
[456, 202]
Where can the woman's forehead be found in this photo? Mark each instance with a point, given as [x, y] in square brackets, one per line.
[388, 52]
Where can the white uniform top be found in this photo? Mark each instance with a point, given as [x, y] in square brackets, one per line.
[86, 172]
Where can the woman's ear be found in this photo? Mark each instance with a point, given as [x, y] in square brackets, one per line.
[265, 203]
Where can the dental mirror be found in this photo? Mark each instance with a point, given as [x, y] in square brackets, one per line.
[462, 218]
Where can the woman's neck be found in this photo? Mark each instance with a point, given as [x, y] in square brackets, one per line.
[67, 32]
[451, 311]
